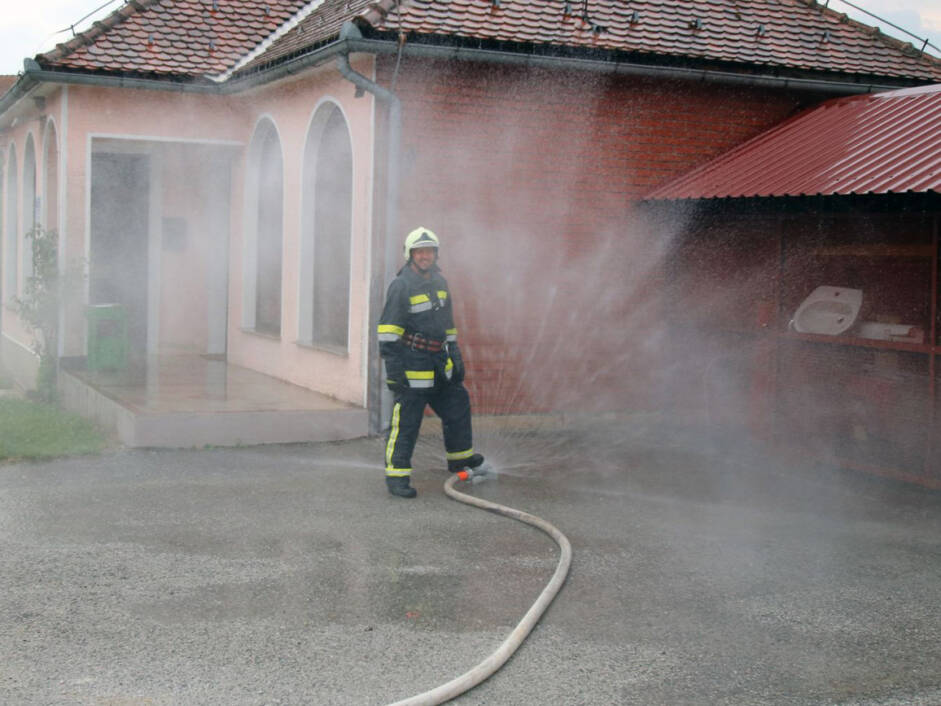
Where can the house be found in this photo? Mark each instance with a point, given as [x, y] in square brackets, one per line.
[827, 340]
[236, 178]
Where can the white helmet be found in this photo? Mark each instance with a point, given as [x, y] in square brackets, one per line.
[419, 238]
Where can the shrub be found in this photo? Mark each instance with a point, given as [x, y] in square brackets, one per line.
[38, 308]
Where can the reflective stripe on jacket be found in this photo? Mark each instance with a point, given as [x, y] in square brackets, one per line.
[423, 307]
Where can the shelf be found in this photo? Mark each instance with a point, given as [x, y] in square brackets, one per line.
[874, 250]
[861, 342]
[722, 330]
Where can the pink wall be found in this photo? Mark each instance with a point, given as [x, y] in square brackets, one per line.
[183, 264]
[176, 128]
[290, 105]
[189, 121]
[17, 339]
[168, 126]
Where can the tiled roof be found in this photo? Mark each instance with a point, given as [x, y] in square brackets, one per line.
[872, 144]
[209, 37]
[775, 33]
[173, 37]
[319, 26]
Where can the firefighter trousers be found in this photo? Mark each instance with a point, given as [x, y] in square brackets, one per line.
[450, 402]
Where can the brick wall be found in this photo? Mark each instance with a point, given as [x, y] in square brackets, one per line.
[530, 177]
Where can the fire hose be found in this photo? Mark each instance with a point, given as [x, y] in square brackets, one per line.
[502, 654]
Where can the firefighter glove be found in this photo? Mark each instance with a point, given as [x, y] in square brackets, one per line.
[457, 372]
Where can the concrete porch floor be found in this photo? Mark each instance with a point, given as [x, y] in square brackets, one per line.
[187, 401]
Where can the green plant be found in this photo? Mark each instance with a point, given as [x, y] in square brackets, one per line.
[38, 308]
[33, 430]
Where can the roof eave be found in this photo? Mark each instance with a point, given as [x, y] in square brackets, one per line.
[753, 198]
[619, 63]
[34, 74]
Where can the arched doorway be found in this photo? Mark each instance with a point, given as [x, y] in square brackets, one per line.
[264, 232]
[326, 231]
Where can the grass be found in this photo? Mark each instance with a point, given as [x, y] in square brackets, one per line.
[30, 430]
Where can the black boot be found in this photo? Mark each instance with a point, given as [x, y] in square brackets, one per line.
[462, 463]
[399, 486]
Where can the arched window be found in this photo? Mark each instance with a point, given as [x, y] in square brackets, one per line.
[11, 232]
[265, 224]
[326, 233]
[29, 206]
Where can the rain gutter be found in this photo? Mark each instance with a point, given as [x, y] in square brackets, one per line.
[33, 76]
[350, 41]
[625, 68]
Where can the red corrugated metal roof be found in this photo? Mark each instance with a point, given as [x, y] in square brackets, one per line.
[209, 37]
[873, 144]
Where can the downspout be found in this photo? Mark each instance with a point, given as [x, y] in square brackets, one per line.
[378, 398]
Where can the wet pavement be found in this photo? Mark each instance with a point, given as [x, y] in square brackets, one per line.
[287, 575]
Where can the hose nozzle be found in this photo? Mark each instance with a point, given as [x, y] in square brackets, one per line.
[478, 475]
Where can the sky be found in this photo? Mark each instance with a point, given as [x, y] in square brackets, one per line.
[30, 27]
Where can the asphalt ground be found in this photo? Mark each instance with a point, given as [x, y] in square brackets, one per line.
[288, 575]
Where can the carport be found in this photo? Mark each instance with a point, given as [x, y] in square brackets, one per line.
[846, 196]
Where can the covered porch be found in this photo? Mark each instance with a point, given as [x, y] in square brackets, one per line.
[184, 401]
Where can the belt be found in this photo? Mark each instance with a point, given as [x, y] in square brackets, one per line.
[417, 342]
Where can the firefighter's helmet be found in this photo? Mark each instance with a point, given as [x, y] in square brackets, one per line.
[419, 238]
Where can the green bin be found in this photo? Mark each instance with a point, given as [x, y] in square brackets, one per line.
[107, 337]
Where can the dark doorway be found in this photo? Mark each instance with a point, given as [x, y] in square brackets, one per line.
[120, 200]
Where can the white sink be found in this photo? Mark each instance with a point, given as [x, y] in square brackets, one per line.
[828, 310]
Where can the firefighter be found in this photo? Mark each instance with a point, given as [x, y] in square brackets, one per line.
[418, 342]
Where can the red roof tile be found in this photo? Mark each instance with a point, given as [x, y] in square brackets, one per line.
[873, 144]
[775, 33]
[173, 37]
[210, 37]
[321, 25]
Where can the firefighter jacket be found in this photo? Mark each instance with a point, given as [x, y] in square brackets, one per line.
[417, 336]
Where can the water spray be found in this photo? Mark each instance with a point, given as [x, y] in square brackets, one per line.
[497, 659]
